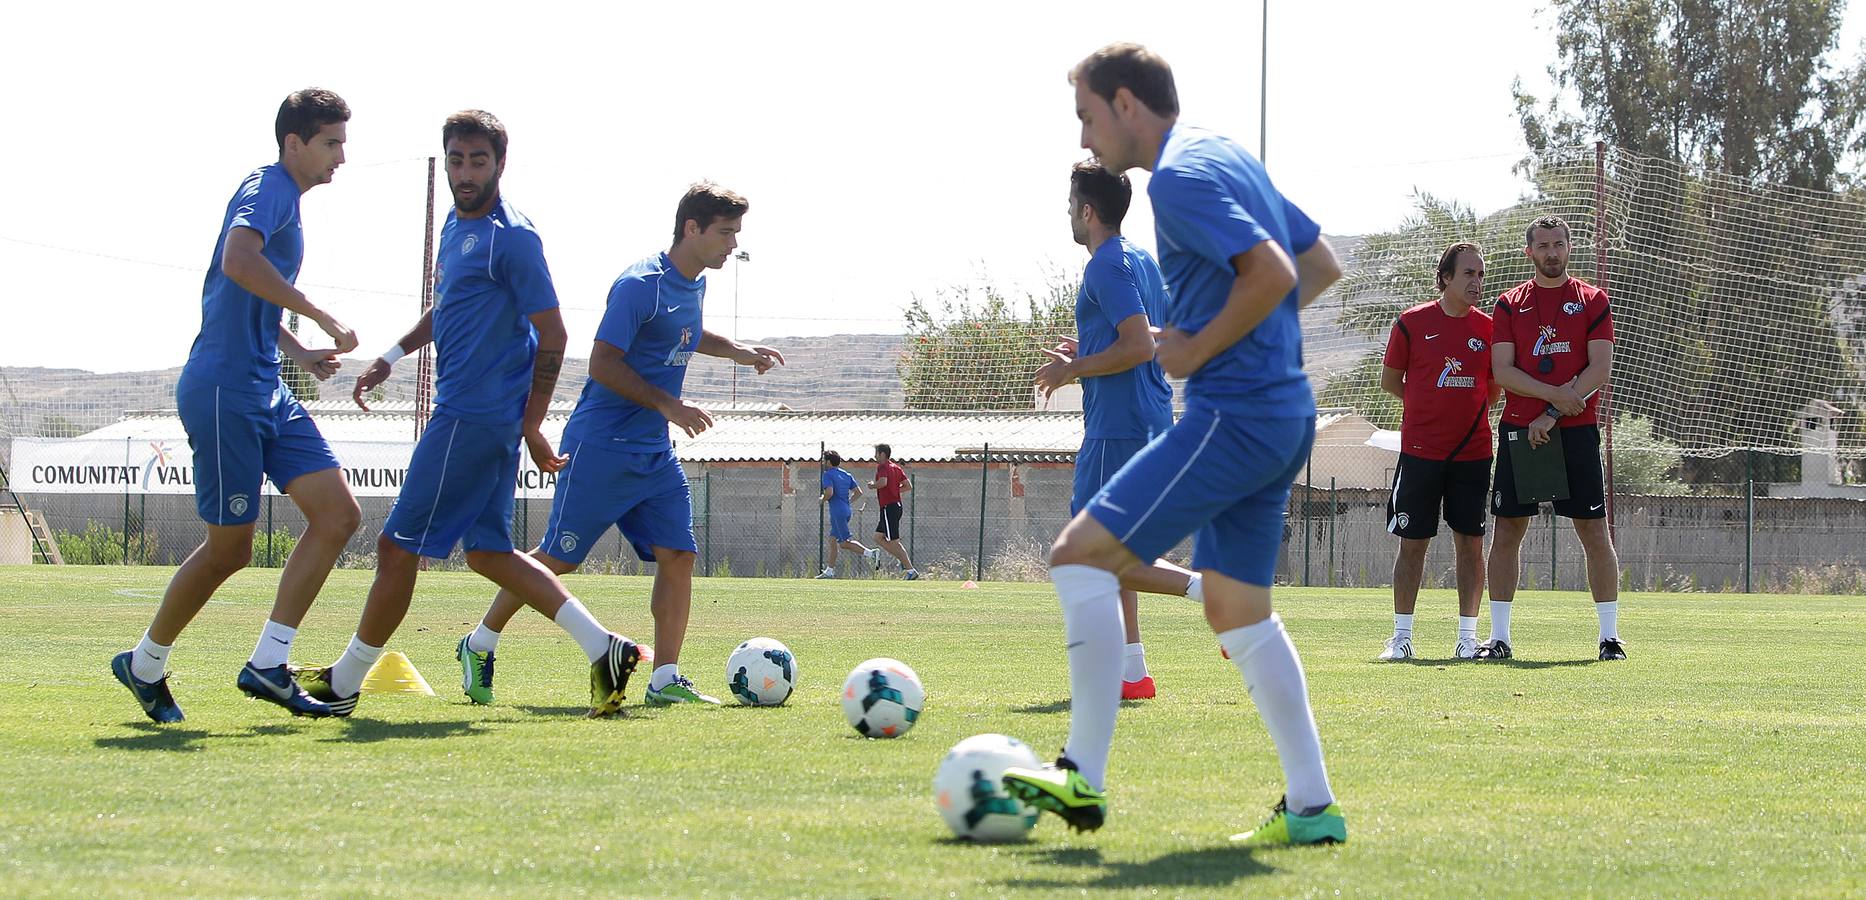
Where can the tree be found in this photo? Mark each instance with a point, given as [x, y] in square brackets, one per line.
[980, 353]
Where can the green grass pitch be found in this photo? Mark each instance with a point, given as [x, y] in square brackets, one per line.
[1725, 758]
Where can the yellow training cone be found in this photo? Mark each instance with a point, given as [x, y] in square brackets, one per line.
[394, 674]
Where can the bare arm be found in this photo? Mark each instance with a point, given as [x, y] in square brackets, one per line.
[1264, 277]
[1599, 368]
[243, 262]
[545, 367]
[1316, 269]
[378, 372]
[1393, 381]
[322, 364]
[1133, 346]
[611, 370]
[1506, 376]
[760, 358]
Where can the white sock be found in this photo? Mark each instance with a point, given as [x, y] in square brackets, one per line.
[1134, 662]
[346, 677]
[829, 570]
[910, 571]
[663, 676]
[150, 661]
[1091, 600]
[1500, 621]
[1402, 626]
[1609, 620]
[1273, 675]
[583, 628]
[483, 639]
[1195, 588]
[275, 645]
[1467, 627]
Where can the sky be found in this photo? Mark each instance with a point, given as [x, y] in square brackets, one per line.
[888, 153]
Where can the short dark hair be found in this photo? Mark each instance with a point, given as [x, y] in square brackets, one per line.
[1131, 66]
[1551, 222]
[1448, 261]
[306, 111]
[706, 203]
[882, 450]
[833, 458]
[1108, 192]
[469, 122]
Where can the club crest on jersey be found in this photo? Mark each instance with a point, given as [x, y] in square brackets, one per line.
[1448, 378]
[1546, 344]
[1573, 307]
[567, 542]
[1476, 344]
[680, 354]
[466, 246]
[236, 504]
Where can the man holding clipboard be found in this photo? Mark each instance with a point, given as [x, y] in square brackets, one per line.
[1553, 352]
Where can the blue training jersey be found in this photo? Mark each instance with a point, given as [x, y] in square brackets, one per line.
[1121, 281]
[1211, 202]
[238, 346]
[840, 483]
[490, 277]
[653, 317]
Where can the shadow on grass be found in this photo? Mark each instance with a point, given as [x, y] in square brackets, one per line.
[1059, 706]
[1211, 867]
[157, 737]
[579, 712]
[370, 731]
[1543, 663]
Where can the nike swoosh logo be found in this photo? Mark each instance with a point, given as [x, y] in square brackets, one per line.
[673, 308]
[402, 537]
[278, 691]
[1103, 501]
[1074, 644]
[286, 643]
[1432, 336]
[1527, 308]
[1595, 507]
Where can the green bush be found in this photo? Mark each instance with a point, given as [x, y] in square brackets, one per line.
[101, 545]
[280, 551]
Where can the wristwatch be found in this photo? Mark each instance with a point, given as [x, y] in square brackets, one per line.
[1552, 412]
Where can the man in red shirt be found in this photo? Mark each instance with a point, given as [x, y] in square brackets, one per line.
[890, 482]
[1553, 351]
[1438, 365]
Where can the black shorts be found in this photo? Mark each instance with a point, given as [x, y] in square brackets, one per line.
[1422, 486]
[890, 525]
[1587, 482]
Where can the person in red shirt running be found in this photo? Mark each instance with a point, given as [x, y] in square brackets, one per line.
[890, 482]
[1438, 365]
[1552, 352]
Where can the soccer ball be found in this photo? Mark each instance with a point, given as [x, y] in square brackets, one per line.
[882, 698]
[969, 793]
[761, 672]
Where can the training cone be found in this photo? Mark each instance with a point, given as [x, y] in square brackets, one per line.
[647, 652]
[969, 586]
[394, 674]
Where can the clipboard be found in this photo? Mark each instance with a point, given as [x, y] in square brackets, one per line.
[1541, 473]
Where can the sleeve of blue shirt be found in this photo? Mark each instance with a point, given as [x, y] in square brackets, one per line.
[521, 267]
[631, 305]
[1199, 216]
[825, 481]
[1303, 232]
[1115, 289]
[266, 205]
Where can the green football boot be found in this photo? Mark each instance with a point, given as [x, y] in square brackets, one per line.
[475, 673]
[1059, 789]
[680, 690]
[1286, 829]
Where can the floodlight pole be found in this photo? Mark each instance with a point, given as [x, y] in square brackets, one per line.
[1263, 91]
[739, 257]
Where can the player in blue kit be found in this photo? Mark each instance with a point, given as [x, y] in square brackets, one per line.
[1240, 261]
[1125, 399]
[621, 468]
[243, 423]
[839, 490]
[499, 345]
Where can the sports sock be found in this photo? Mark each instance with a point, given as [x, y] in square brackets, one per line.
[150, 661]
[1195, 588]
[1402, 626]
[1467, 627]
[1609, 620]
[346, 677]
[1273, 676]
[663, 676]
[1500, 621]
[483, 639]
[583, 628]
[275, 645]
[829, 570]
[1134, 662]
[1091, 601]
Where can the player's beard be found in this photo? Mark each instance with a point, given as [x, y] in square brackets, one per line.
[1552, 268]
[481, 194]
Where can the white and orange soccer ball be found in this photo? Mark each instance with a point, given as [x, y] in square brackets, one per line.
[970, 793]
[882, 698]
[761, 672]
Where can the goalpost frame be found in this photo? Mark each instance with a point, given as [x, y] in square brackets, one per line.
[1600, 280]
[424, 364]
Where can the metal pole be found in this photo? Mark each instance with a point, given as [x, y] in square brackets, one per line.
[1308, 502]
[1601, 272]
[821, 450]
[1263, 91]
[1749, 518]
[984, 475]
[707, 525]
[1332, 509]
[1554, 542]
[271, 560]
[126, 504]
[907, 498]
[424, 361]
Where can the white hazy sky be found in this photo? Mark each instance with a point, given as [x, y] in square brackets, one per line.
[887, 150]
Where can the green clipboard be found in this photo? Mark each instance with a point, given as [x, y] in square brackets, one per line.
[1541, 472]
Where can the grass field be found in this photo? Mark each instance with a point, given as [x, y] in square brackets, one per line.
[1724, 758]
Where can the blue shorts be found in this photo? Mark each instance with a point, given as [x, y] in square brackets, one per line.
[1097, 462]
[643, 494]
[839, 516]
[238, 438]
[1225, 476]
[458, 490]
